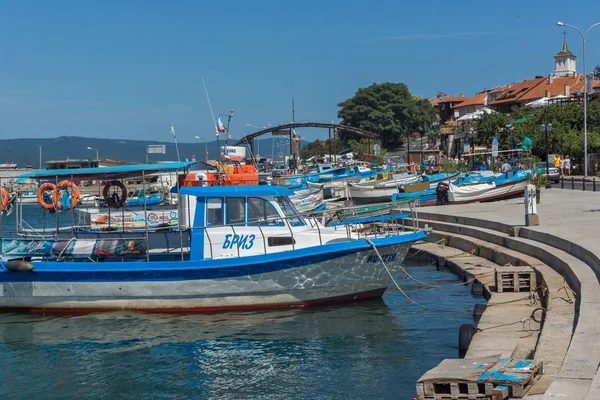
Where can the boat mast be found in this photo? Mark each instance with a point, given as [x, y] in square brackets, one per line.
[175, 137]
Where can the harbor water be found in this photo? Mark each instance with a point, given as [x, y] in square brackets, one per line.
[367, 350]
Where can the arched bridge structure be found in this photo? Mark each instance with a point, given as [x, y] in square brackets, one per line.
[288, 130]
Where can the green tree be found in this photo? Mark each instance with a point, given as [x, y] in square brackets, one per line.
[387, 109]
[567, 129]
[596, 72]
[490, 125]
[316, 148]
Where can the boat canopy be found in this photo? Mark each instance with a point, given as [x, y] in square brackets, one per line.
[121, 171]
[234, 191]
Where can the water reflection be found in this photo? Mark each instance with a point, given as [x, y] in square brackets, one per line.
[374, 349]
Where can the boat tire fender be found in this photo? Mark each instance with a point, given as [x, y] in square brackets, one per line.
[478, 310]
[19, 266]
[477, 289]
[108, 198]
[465, 336]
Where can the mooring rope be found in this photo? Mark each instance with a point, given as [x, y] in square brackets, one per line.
[392, 276]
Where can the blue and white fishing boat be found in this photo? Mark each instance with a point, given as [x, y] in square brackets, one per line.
[234, 247]
[476, 187]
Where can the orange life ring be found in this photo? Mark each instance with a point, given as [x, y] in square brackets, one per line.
[40, 195]
[3, 198]
[107, 197]
[63, 185]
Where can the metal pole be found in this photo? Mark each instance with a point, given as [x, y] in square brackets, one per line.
[145, 216]
[175, 138]
[547, 166]
[585, 95]
[218, 149]
[585, 90]
[329, 144]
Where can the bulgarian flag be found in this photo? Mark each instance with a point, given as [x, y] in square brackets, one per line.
[220, 127]
[173, 132]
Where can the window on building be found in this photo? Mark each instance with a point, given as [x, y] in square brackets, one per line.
[214, 211]
[263, 212]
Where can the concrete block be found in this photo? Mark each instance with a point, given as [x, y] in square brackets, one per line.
[532, 220]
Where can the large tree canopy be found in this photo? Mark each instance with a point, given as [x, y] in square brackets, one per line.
[490, 125]
[387, 109]
[567, 128]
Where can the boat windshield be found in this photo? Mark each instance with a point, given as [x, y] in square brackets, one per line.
[290, 211]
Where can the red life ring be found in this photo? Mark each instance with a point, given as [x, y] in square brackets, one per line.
[40, 195]
[75, 196]
[107, 197]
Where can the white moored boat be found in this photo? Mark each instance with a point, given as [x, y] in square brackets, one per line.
[234, 247]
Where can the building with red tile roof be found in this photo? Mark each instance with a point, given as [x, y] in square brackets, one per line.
[444, 103]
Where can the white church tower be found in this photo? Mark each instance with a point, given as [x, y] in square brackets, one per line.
[565, 61]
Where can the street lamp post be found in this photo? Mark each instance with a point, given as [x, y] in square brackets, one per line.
[91, 148]
[205, 148]
[585, 90]
[545, 129]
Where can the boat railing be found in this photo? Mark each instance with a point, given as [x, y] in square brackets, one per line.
[355, 225]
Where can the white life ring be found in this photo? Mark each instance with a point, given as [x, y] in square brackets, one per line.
[201, 177]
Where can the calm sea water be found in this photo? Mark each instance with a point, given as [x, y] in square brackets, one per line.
[368, 350]
[36, 217]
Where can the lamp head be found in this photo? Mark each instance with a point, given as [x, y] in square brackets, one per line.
[560, 23]
[197, 137]
[89, 148]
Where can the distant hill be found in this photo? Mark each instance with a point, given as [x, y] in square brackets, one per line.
[25, 152]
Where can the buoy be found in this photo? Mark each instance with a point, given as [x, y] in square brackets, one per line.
[478, 310]
[477, 289]
[465, 335]
[19, 266]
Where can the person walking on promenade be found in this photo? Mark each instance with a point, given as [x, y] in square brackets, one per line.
[567, 165]
[556, 162]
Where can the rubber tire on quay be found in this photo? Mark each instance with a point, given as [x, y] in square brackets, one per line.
[478, 310]
[477, 288]
[465, 335]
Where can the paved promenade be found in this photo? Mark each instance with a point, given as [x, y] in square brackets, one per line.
[571, 215]
[569, 224]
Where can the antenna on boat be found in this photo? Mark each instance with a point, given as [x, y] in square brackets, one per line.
[175, 137]
[212, 114]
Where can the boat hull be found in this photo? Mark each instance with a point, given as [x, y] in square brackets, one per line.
[371, 194]
[502, 192]
[289, 280]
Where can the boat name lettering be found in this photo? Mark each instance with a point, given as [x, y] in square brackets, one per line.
[245, 242]
[373, 259]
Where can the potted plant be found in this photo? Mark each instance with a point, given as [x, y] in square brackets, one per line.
[538, 178]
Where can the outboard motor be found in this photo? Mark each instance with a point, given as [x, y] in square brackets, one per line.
[441, 191]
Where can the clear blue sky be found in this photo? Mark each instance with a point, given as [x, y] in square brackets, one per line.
[127, 69]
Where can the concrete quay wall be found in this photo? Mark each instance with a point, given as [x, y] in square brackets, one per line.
[567, 239]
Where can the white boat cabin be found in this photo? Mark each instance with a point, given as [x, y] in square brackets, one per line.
[240, 221]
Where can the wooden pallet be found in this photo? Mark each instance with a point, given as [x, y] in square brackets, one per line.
[473, 379]
[515, 279]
